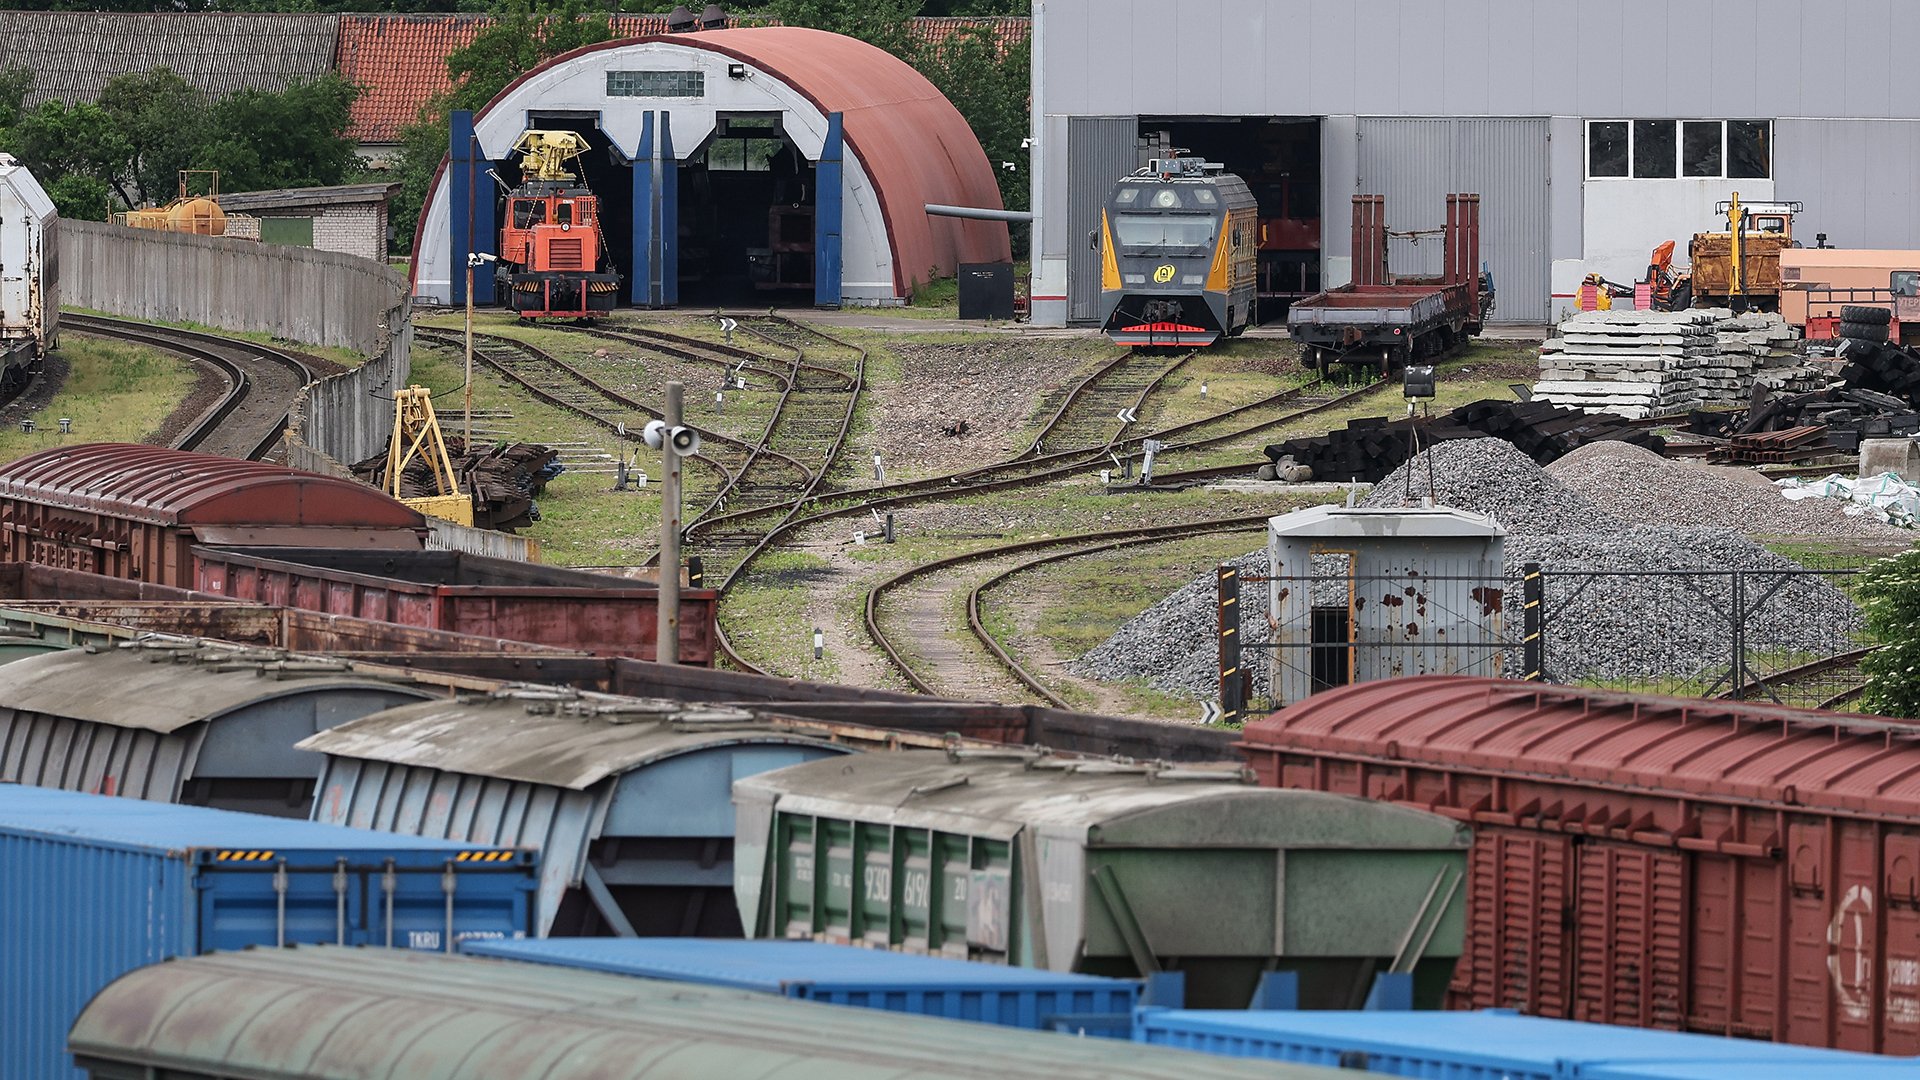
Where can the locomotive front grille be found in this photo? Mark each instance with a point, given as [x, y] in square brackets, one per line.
[565, 253]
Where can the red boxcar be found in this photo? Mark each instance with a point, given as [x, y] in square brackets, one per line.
[135, 512]
[1702, 865]
[465, 594]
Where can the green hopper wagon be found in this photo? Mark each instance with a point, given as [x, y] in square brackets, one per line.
[1103, 867]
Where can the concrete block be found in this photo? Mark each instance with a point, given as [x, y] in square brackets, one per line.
[1898, 456]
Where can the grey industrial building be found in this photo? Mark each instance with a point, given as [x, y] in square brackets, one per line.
[1591, 131]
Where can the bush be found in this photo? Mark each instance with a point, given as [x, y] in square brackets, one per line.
[1890, 590]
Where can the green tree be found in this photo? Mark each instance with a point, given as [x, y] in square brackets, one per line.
[1890, 589]
[15, 85]
[58, 140]
[294, 138]
[990, 90]
[886, 23]
[524, 33]
[162, 119]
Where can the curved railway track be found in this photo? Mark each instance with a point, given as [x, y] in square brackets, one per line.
[1821, 684]
[1076, 545]
[248, 419]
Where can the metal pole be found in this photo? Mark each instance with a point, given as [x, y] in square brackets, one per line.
[1233, 681]
[469, 410]
[1532, 647]
[667, 643]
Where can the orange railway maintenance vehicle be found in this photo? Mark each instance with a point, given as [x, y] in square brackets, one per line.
[553, 259]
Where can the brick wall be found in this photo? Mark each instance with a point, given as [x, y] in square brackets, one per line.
[355, 229]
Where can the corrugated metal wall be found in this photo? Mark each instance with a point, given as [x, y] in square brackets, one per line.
[481, 810]
[1100, 150]
[1415, 162]
[1855, 177]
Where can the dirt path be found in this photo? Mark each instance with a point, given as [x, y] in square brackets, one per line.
[925, 620]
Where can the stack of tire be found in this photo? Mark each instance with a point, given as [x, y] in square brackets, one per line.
[1873, 363]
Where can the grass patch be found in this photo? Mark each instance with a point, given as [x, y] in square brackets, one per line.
[769, 617]
[347, 358]
[114, 392]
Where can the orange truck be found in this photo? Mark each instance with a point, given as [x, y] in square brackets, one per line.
[1816, 282]
[1740, 268]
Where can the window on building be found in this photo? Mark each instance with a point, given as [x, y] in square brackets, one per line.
[690, 84]
[1749, 149]
[1660, 149]
[1653, 149]
[1607, 148]
[1700, 146]
[743, 155]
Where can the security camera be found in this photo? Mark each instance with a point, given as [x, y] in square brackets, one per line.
[479, 257]
[685, 440]
[1007, 165]
[655, 433]
[1026, 144]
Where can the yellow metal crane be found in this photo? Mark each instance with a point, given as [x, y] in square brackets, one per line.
[416, 434]
[544, 154]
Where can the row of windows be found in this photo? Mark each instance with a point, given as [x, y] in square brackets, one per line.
[1664, 149]
[656, 84]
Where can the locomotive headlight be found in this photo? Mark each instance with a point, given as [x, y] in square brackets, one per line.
[1134, 279]
[1193, 279]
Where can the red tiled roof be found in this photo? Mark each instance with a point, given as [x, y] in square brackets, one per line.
[400, 61]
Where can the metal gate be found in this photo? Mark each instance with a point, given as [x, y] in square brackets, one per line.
[1415, 162]
[1100, 150]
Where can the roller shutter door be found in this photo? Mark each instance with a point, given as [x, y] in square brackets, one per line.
[1416, 162]
[1100, 150]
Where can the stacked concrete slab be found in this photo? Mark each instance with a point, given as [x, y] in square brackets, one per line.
[1650, 363]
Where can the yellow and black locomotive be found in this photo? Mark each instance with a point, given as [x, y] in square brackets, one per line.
[1179, 250]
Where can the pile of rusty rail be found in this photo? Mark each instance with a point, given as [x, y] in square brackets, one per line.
[504, 480]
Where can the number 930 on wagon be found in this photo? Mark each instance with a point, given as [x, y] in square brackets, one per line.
[1179, 244]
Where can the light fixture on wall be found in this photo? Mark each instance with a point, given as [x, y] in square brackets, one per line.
[736, 71]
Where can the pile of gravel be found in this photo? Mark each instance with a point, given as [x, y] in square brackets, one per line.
[1639, 486]
[1491, 477]
[1626, 623]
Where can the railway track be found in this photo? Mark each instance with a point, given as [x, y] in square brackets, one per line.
[919, 665]
[248, 419]
[1830, 682]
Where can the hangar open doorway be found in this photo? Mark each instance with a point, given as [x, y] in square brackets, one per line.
[1279, 158]
[603, 169]
[747, 205]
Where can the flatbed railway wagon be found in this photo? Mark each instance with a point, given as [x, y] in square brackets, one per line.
[1385, 321]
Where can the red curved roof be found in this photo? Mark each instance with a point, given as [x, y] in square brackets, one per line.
[914, 145]
[1684, 746]
[173, 487]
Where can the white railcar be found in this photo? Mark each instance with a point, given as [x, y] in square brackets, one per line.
[29, 273]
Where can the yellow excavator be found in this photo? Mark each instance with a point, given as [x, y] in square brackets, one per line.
[416, 435]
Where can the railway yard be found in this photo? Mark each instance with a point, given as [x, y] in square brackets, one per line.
[765, 578]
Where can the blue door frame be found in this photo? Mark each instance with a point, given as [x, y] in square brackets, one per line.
[826, 216]
[669, 216]
[640, 281]
[470, 223]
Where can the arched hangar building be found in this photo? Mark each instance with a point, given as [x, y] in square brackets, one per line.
[754, 165]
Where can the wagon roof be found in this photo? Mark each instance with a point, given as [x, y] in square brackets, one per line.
[546, 737]
[1686, 746]
[127, 688]
[325, 1010]
[1117, 801]
[160, 486]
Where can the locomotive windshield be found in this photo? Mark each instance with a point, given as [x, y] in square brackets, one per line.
[1170, 234]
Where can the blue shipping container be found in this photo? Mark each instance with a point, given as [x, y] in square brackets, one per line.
[1495, 1044]
[93, 886]
[1892, 1068]
[844, 975]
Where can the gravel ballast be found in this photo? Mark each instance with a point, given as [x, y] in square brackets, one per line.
[1638, 486]
[1624, 624]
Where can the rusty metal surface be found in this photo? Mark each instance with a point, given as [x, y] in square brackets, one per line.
[1699, 865]
[545, 737]
[170, 487]
[326, 1013]
[153, 691]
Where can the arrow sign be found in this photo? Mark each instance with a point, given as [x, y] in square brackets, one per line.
[1127, 416]
[1210, 713]
[729, 325]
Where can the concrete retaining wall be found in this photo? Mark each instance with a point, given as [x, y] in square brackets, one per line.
[298, 294]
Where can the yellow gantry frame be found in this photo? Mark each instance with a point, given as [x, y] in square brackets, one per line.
[416, 433]
[544, 154]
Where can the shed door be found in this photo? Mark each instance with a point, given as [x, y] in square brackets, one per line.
[1100, 150]
[1629, 915]
[1416, 162]
[292, 231]
[1516, 955]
